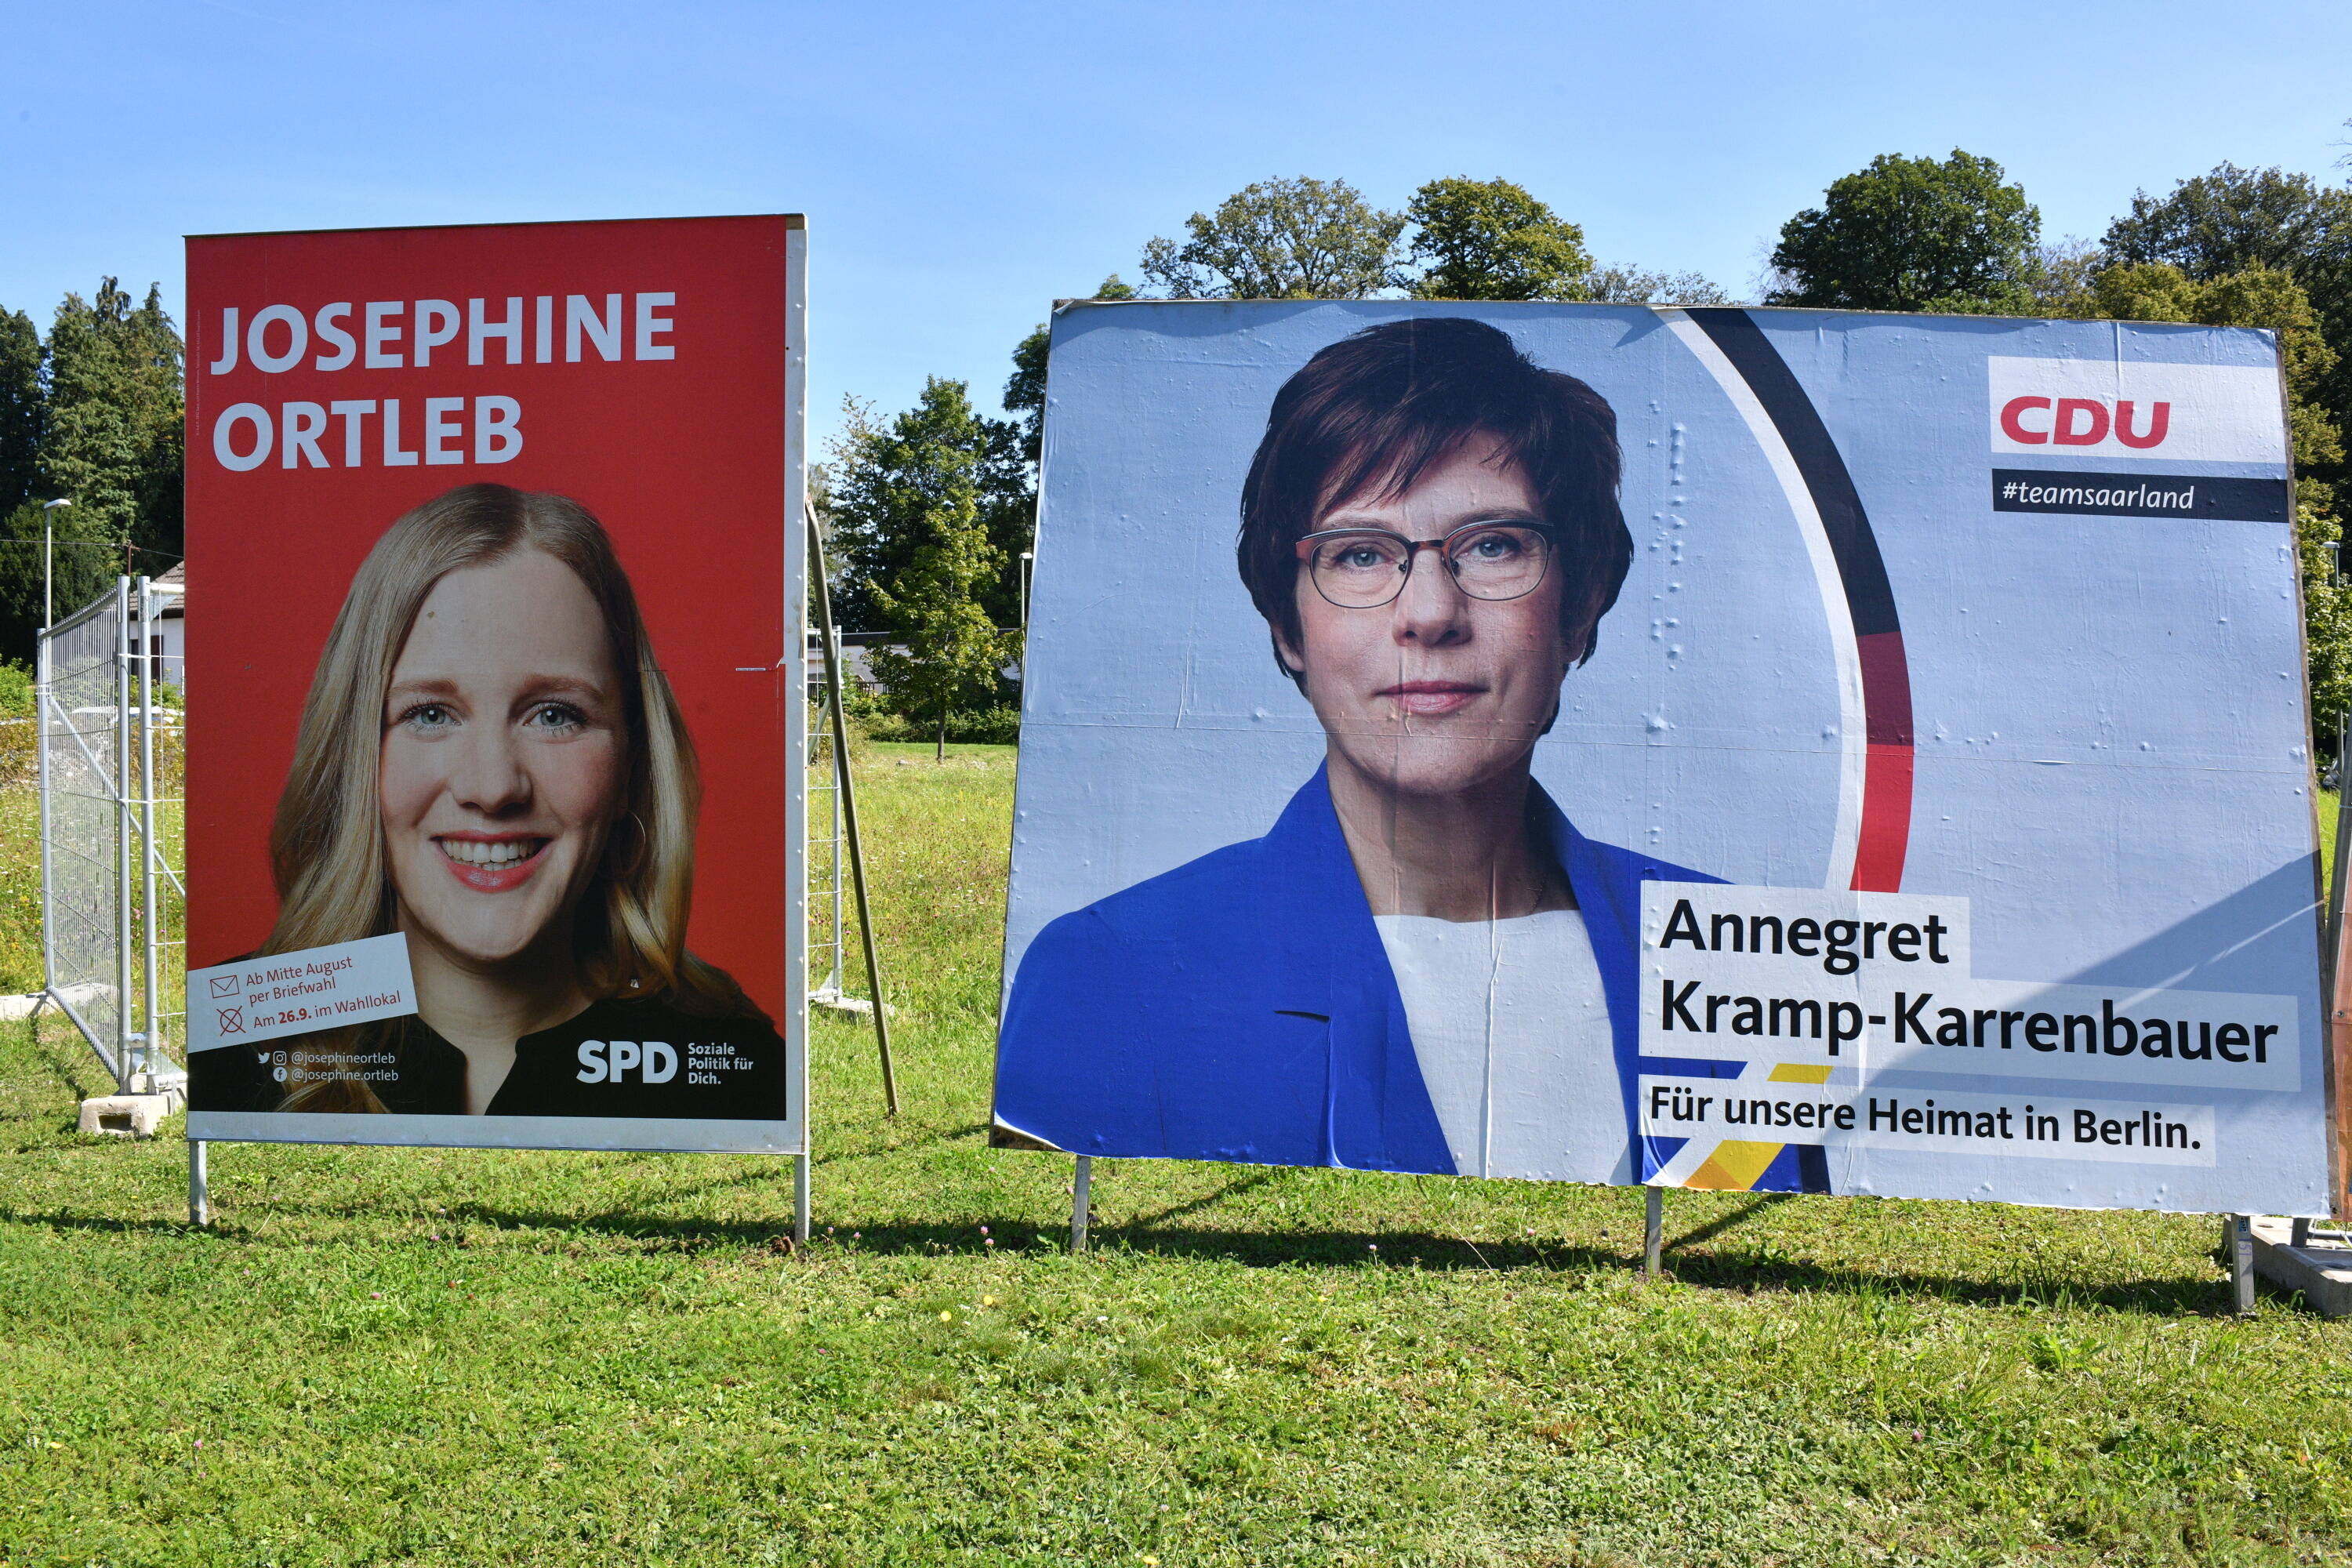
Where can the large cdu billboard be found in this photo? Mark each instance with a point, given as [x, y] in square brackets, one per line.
[1722, 748]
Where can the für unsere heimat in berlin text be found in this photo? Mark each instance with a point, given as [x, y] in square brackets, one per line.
[1849, 1007]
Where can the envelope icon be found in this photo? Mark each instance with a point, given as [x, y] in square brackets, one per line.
[224, 984]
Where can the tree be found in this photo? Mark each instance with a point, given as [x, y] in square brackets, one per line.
[910, 532]
[2235, 221]
[2327, 621]
[24, 410]
[2059, 277]
[1281, 240]
[907, 515]
[871, 528]
[1490, 239]
[1912, 234]
[1634, 286]
[93, 415]
[114, 441]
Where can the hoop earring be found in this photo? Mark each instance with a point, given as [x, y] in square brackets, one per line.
[636, 856]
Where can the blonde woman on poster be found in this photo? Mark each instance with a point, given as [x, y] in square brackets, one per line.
[492, 763]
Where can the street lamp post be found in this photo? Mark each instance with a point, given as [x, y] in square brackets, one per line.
[49, 558]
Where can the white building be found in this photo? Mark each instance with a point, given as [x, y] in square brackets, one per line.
[168, 643]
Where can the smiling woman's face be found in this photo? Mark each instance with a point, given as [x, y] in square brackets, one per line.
[503, 758]
[1437, 692]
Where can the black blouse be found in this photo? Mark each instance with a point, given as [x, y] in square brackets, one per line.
[619, 1057]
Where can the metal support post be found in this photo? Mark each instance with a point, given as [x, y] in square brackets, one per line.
[1078, 1200]
[800, 1176]
[849, 810]
[2331, 1002]
[2237, 1251]
[200, 1206]
[1653, 1231]
[125, 828]
[151, 926]
[42, 762]
[831, 887]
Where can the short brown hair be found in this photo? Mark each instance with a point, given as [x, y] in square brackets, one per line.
[1377, 408]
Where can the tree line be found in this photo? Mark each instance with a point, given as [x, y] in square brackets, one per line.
[91, 413]
[930, 511]
[933, 511]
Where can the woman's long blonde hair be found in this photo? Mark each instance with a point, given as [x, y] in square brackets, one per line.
[326, 844]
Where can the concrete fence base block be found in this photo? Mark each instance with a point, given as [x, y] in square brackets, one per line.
[14, 1008]
[2321, 1271]
[126, 1115]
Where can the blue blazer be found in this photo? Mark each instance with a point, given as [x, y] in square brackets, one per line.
[1241, 1008]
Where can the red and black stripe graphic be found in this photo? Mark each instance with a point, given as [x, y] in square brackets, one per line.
[1885, 826]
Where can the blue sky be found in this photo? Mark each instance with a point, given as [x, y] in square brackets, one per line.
[962, 165]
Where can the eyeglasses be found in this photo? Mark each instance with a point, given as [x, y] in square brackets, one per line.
[1364, 568]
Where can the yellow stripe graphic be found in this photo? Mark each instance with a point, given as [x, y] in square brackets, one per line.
[1737, 1165]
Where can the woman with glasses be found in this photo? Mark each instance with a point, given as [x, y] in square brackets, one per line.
[1422, 965]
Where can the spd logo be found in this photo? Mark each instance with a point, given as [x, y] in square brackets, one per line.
[2135, 411]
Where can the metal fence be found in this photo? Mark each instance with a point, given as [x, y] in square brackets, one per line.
[110, 892]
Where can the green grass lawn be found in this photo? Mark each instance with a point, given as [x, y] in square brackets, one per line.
[2326, 835]
[460, 1356]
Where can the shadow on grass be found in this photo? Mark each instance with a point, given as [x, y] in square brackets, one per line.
[1717, 1225]
[66, 1220]
[1417, 1251]
[1762, 1267]
[1751, 1273]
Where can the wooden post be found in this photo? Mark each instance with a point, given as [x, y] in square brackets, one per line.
[1079, 1197]
[200, 1207]
[1653, 1231]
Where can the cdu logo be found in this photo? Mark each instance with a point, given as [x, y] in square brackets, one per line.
[2135, 410]
[2032, 421]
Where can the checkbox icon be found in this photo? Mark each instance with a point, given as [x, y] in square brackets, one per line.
[232, 1021]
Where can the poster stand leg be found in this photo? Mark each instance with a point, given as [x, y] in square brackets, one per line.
[2237, 1250]
[1653, 1229]
[849, 810]
[800, 1200]
[2335, 1055]
[1079, 1203]
[200, 1207]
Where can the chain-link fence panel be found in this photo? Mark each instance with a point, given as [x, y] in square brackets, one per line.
[82, 822]
[108, 891]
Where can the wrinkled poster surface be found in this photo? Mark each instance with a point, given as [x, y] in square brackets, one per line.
[1740, 749]
[493, 669]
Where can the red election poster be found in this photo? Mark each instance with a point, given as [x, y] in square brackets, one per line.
[493, 670]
